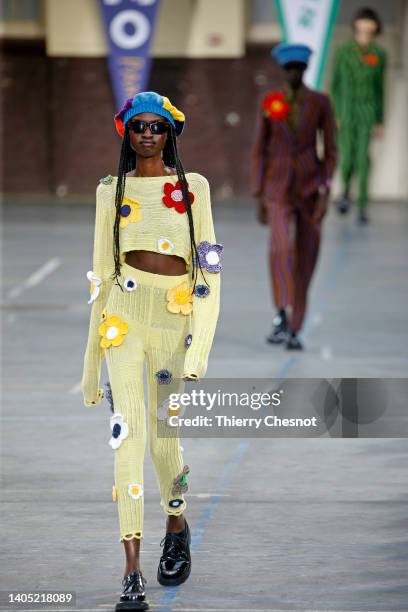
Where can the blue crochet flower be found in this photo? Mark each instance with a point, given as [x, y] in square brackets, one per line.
[163, 377]
[201, 291]
[188, 340]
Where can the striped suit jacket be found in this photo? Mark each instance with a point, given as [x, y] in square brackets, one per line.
[282, 156]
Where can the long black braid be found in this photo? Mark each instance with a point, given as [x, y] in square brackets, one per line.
[127, 162]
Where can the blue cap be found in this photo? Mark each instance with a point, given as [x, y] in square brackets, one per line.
[149, 102]
[287, 52]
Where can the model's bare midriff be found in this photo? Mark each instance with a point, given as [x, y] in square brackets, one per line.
[157, 263]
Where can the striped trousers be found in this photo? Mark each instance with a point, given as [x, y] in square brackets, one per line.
[294, 241]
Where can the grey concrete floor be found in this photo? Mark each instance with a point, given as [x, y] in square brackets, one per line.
[277, 524]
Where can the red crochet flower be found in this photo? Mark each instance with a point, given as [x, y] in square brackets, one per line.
[173, 197]
[275, 105]
[371, 59]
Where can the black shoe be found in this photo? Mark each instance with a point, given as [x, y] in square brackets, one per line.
[362, 218]
[279, 332]
[133, 595]
[343, 205]
[175, 562]
[293, 343]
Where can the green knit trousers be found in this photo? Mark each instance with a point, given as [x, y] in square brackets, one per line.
[354, 142]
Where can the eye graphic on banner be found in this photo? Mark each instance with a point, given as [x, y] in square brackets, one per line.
[129, 26]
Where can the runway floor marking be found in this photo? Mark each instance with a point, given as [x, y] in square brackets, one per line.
[35, 278]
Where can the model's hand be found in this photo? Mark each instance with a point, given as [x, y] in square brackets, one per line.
[262, 212]
[379, 130]
[322, 203]
[89, 403]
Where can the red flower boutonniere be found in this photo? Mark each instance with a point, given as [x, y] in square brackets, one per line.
[275, 105]
[173, 197]
[371, 59]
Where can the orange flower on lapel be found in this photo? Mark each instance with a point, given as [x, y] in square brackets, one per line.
[275, 106]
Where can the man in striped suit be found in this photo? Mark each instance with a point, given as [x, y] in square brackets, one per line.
[292, 186]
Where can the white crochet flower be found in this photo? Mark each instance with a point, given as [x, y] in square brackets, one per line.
[165, 245]
[95, 285]
[135, 490]
[130, 284]
[120, 430]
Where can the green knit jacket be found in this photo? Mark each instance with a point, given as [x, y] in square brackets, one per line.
[357, 83]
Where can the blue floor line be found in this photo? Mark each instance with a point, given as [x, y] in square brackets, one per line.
[206, 515]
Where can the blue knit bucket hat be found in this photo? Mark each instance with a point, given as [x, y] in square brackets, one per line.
[149, 102]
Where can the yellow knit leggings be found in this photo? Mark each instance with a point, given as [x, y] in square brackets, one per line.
[147, 331]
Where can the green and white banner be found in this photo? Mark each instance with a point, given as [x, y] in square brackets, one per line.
[309, 22]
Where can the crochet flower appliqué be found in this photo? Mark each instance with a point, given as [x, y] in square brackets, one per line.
[180, 482]
[120, 430]
[165, 245]
[94, 288]
[176, 503]
[163, 377]
[135, 490]
[275, 106]
[201, 291]
[173, 197]
[180, 299]
[113, 331]
[188, 340]
[130, 283]
[209, 256]
[129, 212]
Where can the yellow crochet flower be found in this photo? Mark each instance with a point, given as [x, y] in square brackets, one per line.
[113, 331]
[175, 112]
[129, 212]
[180, 299]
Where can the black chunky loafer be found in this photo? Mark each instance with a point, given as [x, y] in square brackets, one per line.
[133, 595]
[175, 562]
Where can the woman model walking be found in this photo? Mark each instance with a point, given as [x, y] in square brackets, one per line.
[155, 291]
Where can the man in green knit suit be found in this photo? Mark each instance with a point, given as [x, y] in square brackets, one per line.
[357, 89]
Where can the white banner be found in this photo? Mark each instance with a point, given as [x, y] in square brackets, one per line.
[309, 22]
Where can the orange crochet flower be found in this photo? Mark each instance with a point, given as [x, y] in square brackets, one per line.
[275, 105]
[371, 59]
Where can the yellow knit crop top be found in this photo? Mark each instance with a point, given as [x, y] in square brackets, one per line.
[153, 218]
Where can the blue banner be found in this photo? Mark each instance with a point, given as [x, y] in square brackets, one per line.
[129, 26]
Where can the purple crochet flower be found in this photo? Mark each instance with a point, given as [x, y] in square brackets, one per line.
[188, 340]
[209, 255]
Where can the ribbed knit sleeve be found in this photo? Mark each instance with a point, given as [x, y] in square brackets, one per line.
[206, 308]
[258, 156]
[379, 87]
[103, 267]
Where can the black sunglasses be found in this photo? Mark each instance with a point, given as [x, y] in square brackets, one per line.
[156, 127]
